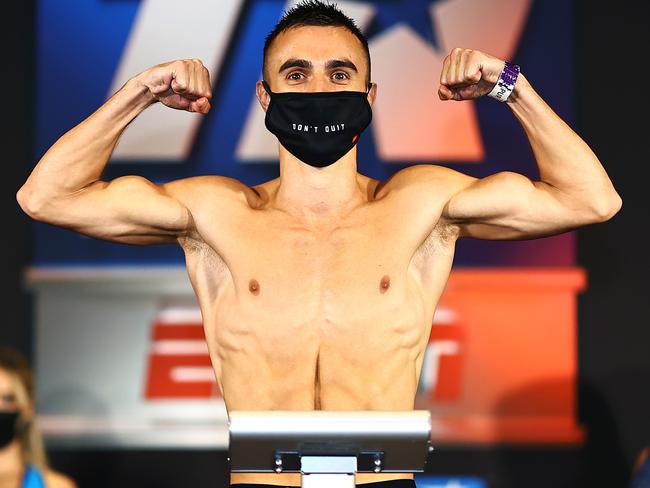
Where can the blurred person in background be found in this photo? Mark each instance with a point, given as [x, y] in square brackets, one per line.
[23, 462]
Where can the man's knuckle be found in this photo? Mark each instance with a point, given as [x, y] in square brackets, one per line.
[179, 67]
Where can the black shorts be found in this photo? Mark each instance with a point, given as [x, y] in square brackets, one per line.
[376, 484]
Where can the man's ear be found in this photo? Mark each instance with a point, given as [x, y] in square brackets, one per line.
[262, 96]
[372, 94]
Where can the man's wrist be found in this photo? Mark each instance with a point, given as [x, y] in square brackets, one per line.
[520, 89]
[126, 104]
[140, 92]
[506, 82]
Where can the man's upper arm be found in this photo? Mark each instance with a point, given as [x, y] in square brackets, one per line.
[128, 209]
[509, 206]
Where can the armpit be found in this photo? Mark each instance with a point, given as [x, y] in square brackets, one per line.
[443, 235]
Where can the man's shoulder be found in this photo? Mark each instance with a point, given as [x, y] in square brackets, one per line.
[423, 178]
[213, 187]
[207, 182]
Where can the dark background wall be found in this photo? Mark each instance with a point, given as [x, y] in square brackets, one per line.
[614, 321]
[16, 107]
[614, 325]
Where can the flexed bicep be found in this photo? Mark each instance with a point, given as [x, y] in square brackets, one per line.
[510, 206]
[129, 209]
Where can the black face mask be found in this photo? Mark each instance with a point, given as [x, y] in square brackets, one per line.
[318, 127]
[8, 427]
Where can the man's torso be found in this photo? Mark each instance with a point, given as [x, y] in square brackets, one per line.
[334, 316]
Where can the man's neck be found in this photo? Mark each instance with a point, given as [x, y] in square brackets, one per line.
[318, 194]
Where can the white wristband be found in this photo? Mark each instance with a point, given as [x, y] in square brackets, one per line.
[506, 84]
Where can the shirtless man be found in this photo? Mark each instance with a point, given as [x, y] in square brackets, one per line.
[318, 288]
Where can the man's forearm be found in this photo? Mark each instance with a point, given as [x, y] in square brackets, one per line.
[79, 157]
[564, 160]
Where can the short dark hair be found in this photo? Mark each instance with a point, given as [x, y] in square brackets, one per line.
[319, 13]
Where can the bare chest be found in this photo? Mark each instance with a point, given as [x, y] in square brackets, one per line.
[269, 259]
[277, 275]
[343, 265]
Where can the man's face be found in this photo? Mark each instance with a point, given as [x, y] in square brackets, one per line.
[315, 58]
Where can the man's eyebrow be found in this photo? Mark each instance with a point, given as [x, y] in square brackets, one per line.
[340, 63]
[305, 64]
[295, 63]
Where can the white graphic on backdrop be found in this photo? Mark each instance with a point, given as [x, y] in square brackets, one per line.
[162, 32]
[493, 27]
[409, 120]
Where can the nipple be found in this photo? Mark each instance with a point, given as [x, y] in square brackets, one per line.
[384, 284]
[254, 287]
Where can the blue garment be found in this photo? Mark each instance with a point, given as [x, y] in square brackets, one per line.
[33, 478]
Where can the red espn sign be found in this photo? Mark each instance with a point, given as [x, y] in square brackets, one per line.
[179, 363]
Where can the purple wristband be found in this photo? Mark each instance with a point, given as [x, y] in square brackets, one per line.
[506, 84]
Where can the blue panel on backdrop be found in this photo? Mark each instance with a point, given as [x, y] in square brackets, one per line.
[428, 481]
[79, 46]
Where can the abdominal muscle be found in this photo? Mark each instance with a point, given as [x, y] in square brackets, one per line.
[365, 361]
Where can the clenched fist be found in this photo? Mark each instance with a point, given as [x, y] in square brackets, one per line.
[468, 74]
[183, 84]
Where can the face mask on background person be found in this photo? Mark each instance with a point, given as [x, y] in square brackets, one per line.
[8, 427]
[318, 127]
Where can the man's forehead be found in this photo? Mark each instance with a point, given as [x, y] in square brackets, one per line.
[316, 44]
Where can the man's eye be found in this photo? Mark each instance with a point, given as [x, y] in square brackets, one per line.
[345, 75]
[294, 73]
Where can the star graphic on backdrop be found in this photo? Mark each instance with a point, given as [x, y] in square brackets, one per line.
[414, 13]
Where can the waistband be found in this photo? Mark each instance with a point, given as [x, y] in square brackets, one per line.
[403, 483]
